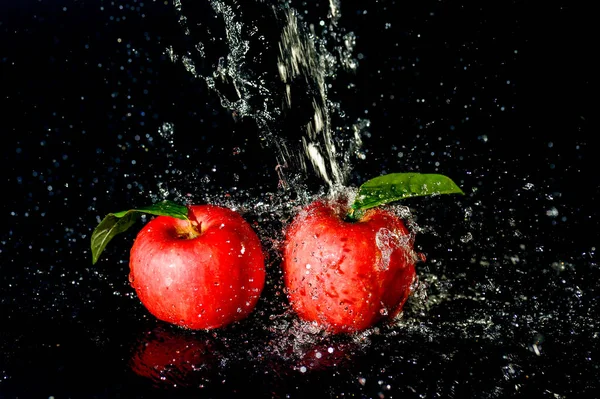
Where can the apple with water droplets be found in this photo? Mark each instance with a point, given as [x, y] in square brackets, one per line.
[199, 267]
[347, 275]
[349, 264]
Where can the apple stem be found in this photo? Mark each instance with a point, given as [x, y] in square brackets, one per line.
[353, 215]
[195, 225]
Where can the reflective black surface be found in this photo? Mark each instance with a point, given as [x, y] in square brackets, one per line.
[97, 117]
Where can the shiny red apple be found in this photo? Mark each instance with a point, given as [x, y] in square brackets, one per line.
[347, 275]
[203, 272]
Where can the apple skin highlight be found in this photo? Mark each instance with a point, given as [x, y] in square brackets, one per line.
[199, 277]
[346, 276]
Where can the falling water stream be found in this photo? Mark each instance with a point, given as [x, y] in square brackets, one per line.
[306, 63]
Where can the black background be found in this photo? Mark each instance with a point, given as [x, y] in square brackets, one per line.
[497, 95]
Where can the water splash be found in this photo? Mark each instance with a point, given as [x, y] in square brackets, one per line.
[292, 109]
[298, 58]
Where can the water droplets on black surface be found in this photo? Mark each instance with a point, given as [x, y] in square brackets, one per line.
[507, 297]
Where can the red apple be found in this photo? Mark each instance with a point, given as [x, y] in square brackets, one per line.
[347, 275]
[203, 272]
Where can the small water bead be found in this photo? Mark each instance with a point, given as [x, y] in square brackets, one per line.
[466, 238]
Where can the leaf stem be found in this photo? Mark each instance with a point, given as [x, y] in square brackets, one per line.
[116, 223]
[354, 215]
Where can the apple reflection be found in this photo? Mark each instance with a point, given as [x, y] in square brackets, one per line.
[326, 356]
[302, 349]
[169, 356]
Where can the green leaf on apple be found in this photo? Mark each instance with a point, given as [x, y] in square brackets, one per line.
[119, 222]
[397, 186]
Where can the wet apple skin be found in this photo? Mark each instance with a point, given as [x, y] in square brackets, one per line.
[336, 273]
[205, 282]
